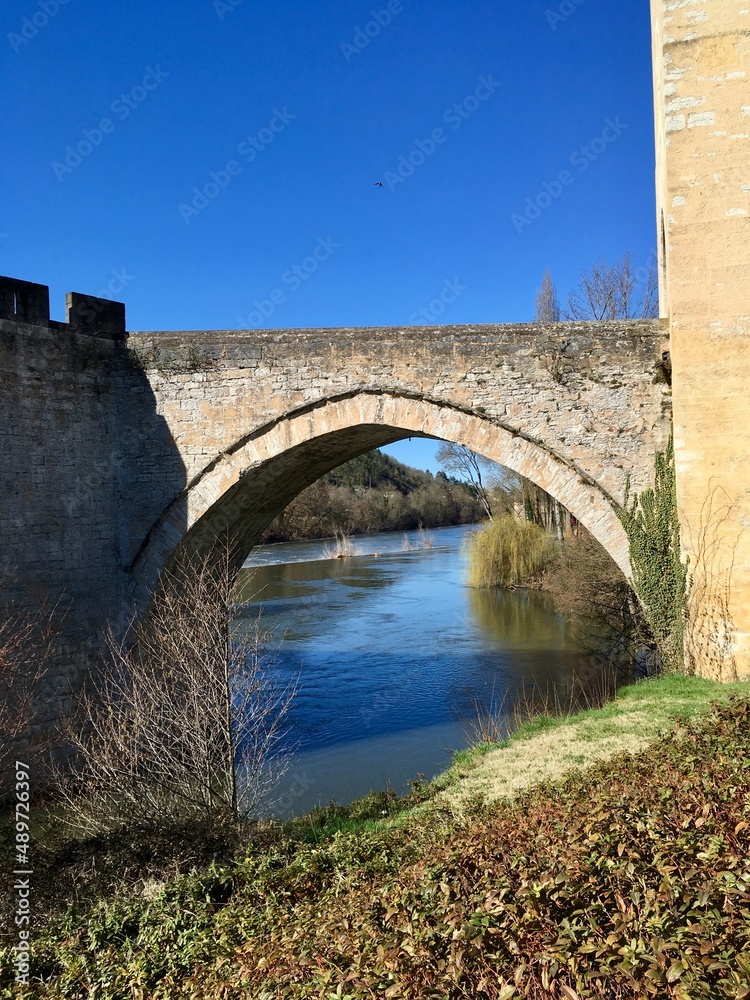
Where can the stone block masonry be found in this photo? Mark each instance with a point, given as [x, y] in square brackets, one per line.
[256, 417]
[67, 450]
[701, 66]
[121, 451]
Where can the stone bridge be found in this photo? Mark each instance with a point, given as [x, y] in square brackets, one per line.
[257, 417]
[122, 450]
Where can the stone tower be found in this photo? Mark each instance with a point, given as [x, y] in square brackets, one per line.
[702, 97]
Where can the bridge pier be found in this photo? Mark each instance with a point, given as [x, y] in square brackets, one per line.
[701, 66]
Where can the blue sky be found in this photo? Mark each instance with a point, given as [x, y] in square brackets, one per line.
[214, 164]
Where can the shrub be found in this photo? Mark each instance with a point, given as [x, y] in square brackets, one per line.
[653, 529]
[605, 618]
[630, 880]
[186, 723]
[508, 553]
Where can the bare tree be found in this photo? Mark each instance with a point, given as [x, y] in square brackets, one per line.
[25, 639]
[514, 494]
[616, 291]
[547, 303]
[606, 620]
[462, 460]
[187, 723]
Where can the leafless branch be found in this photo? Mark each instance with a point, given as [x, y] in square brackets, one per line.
[187, 722]
[615, 291]
[547, 303]
[458, 458]
[25, 642]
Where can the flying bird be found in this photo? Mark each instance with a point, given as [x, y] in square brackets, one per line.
[378, 184]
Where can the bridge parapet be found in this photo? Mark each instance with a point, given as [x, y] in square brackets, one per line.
[28, 302]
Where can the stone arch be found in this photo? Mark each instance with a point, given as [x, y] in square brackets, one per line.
[243, 489]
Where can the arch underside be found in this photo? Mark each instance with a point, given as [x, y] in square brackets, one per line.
[242, 490]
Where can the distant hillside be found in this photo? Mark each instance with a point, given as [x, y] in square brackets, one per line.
[375, 493]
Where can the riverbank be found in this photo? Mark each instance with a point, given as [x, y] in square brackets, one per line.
[628, 875]
[546, 748]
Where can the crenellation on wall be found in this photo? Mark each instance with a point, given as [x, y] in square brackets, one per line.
[95, 316]
[24, 301]
[65, 487]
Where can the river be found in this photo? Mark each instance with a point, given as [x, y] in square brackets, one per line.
[391, 652]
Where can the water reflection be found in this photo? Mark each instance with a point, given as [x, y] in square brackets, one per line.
[391, 651]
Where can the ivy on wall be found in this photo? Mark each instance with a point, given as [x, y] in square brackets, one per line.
[659, 577]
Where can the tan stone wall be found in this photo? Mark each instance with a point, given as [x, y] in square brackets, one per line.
[702, 92]
[257, 417]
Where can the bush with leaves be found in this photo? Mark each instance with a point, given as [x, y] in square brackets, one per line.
[630, 880]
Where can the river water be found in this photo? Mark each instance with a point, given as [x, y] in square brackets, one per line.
[391, 652]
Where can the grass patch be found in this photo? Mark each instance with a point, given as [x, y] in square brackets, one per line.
[542, 748]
